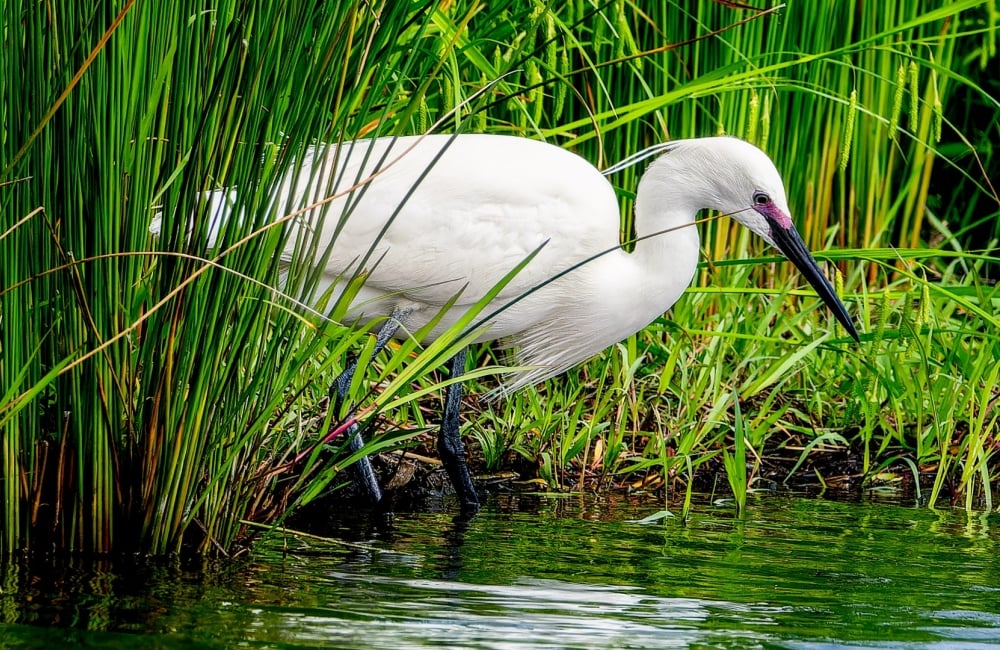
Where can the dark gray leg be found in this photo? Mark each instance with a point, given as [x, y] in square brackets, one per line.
[450, 445]
[364, 474]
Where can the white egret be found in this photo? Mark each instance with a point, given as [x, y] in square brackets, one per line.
[452, 215]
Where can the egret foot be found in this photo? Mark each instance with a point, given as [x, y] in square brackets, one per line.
[449, 444]
[364, 474]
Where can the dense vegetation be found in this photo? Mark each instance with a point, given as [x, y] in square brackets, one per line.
[152, 398]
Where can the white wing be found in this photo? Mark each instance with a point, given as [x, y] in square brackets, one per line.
[458, 212]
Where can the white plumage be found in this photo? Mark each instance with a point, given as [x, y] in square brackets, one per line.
[425, 219]
[439, 215]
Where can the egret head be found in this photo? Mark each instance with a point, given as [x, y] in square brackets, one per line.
[738, 179]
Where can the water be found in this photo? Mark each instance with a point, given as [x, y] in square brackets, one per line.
[549, 573]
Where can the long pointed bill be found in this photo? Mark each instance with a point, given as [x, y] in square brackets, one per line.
[790, 244]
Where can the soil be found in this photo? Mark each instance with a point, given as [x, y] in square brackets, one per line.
[415, 479]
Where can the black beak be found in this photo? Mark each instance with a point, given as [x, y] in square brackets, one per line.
[791, 245]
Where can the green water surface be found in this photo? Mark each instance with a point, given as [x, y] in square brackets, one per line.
[533, 572]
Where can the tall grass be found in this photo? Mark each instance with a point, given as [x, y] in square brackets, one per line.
[153, 396]
[854, 102]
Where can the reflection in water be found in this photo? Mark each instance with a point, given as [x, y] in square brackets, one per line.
[529, 614]
[795, 573]
[454, 541]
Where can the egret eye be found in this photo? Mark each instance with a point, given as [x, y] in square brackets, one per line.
[761, 198]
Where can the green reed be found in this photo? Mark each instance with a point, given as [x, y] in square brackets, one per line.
[855, 105]
[155, 393]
